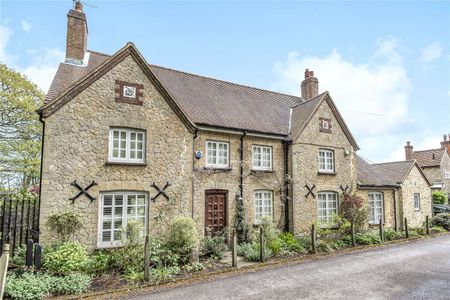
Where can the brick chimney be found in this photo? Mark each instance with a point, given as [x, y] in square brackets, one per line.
[77, 32]
[310, 86]
[408, 151]
[446, 142]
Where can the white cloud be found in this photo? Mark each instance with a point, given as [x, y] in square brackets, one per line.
[372, 96]
[43, 67]
[5, 35]
[431, 53]
[43, 62]
[25, 25]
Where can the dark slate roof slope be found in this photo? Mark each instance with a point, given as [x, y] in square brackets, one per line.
[301, 113]
[384, 174]
[205, 100]
[370, 176]
[429, 158]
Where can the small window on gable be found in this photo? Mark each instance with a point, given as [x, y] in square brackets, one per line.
[325, 125]
[447, 174]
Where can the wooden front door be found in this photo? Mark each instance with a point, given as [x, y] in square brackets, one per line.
[215, 210]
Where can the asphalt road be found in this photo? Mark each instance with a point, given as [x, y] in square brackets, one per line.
[416, 270]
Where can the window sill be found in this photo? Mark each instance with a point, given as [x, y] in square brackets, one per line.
[262, 171]
[124, 163]
[417, 209]
[376, 224]
[225, 169]
[326, 173]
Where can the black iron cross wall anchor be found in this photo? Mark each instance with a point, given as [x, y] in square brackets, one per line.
[310, 190]
[344, 188]
[161, 191]
[82, 191]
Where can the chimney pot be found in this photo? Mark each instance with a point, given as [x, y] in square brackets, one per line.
[408, 151]
[310, 85]
[446, 142]
[78, 6]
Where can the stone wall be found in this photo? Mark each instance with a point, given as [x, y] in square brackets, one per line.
[229, 179]
[76, 148]
[305, 170]
[415, 183]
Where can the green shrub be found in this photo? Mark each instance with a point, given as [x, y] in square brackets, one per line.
[420, 230]
[65, 258]
[20, 256]
[368, 238]
[240, 223]
[251, 251]
[324, 246]
[127, 259]
[290, 244]
[159, 275]
[182, 238]
[214, 246]
[28, 286]
[135, 276]
[74, 283]
[391, 234]
[442, 220]
[437, 229]
[413, 232]
[194, 267]
[439, 197]
[65, 224]
[338, 244]
[304, 241]
[160, 256]
[271, 234]
[97, 263]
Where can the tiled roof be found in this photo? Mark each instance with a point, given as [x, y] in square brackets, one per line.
[206, 101]
[429, 158]
[383, 174]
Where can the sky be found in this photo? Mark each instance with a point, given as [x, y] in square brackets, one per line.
[386, 64]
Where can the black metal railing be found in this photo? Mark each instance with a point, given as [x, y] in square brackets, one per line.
[19, 219]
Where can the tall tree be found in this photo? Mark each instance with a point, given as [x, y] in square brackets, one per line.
[20, 129]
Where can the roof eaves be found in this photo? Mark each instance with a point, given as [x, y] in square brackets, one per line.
[80, 85]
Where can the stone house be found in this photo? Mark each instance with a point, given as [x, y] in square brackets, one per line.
[435, 163]
[136, 141]
[395, 191]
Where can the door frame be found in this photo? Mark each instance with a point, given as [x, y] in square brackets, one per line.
[216, 191]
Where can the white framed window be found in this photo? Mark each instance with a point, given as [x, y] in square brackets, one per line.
[326, 161]
[416, 201]
[325, 124]
[376, 207]
[327, 206]
[447, 174]
[262, 157]
[263, 205]
[217, 154]
[116, 210]
[126, 145]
